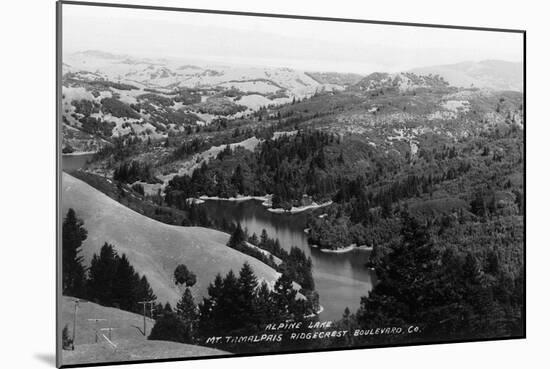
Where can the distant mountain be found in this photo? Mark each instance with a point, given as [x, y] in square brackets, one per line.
[341, 79]
[400, 81]
[173, 73]
[107, 95]
[100, 54]
[491, 74]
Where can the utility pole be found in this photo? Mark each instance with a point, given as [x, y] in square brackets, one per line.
[96, 328]
[74, 322]
[76, 306]
[144, 303]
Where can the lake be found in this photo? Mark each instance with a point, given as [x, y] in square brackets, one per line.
[340, 279]
[70, 162]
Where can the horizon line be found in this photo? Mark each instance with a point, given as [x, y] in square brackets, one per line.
[213, 62]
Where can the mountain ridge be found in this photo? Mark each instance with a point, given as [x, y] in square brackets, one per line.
[490, 73]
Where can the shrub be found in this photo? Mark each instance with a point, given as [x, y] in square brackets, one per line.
[67, 149]
[67, 342]
[157, 99]
[169, 327]
[117, 108]
[182, 275]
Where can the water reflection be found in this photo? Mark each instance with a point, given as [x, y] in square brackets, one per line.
[74, 162]
[340, 279]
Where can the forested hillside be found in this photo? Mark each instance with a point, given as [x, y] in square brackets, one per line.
[424, 177]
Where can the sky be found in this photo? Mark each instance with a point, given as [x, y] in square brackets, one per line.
[274, 42]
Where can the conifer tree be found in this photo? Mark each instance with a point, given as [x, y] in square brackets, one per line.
[410, 286]
[285, 297]
[168, 308]
[125, 284]
[237, 237]
[254, 239]
[237, 179]
[113, 281]
[247, 281]
[103, 270]
[264, 238]
[229, 303]
[157, 311]
[247, 291]
[187, 311]
[144, 291]
[264, 305]
[169, 327]
[208, 305]
[73, 234]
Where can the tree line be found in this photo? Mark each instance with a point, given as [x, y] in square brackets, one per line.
[110, 280]
[287, 167]
[235, 305]
[447, 292]
[133, 170]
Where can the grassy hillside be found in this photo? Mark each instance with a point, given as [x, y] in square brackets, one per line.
[126, 335]
[154, 248]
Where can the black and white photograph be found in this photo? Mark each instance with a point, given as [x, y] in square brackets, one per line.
[234, 184]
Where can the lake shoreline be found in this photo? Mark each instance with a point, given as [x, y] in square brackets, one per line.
[264, 198]
[346, 249]
[339, 279]
[299, 209]
[79, 153]
[321, 309]
[266, 201]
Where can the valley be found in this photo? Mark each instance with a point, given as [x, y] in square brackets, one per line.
[154, 248]
[316, 181]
